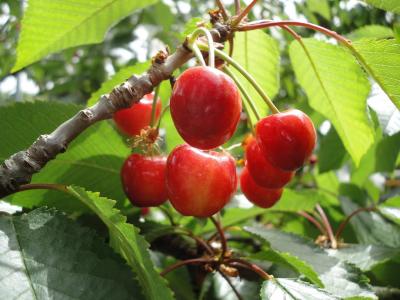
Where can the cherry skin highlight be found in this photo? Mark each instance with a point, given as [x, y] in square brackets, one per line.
[200, 183]
[205, 107]
[143, 180]
[261, 170]
[256, 194]
[287, 139]
[131, 121]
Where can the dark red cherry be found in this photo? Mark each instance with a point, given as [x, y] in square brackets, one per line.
[200, 183]
[205, 107]
[287, 139]
[131, 121]
[256, 194]
[143, 180]
[261, 170]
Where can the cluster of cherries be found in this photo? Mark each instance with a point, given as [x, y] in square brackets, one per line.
[198, 181]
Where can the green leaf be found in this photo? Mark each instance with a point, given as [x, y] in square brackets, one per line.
[371, 31]
[337, 88]
[291, 201]
[382, 61]
[292, 261]
[45, 255]
[391, 209]
[331, 152]
[93, 159]
[389, 5]
[50, 26]
[258, 53]
[339, 278]
[117, 79]
[381, 157]
[292, 289]
[364, 257]
[321, 7]
[371, 227]
[127, 241]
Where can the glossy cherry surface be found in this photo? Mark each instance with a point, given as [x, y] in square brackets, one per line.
[143, 180]
[261, 170]
[205, 107]
[200, 183]
[287, 139]
[256, 194]
[131, 120]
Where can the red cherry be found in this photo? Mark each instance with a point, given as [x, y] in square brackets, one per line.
[258, 195]
[261, 170]
[287, 139]
[131, 120]
[143, 179]
[200, 183]
[205, 107]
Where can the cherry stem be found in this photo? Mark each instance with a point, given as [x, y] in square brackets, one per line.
[343, 225]
[234, 146]
[43, 186]
[210, 42]
[198, 54]
[267, 23]
[312, 220]
[167, 213]
[222, 8]
[179, 264]
[162, 115]
[243, 14]
[250, 266]
[154, 105]
[231, 285]
[246, 95]
[247, 75]
[327, 226]
[200, 241]
[217, 225]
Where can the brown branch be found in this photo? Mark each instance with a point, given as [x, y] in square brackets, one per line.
[19, 168]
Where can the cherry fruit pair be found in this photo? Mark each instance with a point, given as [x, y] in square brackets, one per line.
[197, 183]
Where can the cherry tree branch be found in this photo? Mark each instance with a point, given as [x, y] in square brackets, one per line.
[19, 168]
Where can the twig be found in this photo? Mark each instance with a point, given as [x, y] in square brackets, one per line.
[237, 7]
[200, 241]
[43, 186]
[231, 285]
[179, 264]
[221, 235]
[312, 220]
[327, 226]
[343, 225]
[250, 266]
[222, 8]
[244, 13]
